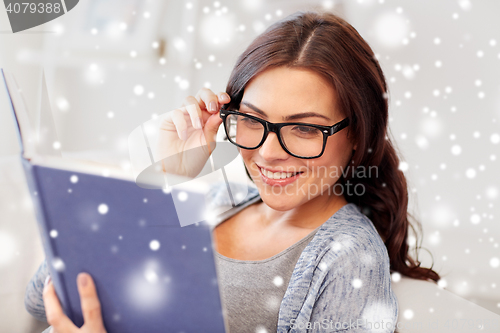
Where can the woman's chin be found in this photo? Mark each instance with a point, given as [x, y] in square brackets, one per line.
[279, 202]
[278, 206]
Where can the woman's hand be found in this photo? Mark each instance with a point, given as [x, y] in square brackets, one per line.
[91, 308]
[187, 135]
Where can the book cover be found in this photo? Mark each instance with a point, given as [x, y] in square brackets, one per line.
[151, 274]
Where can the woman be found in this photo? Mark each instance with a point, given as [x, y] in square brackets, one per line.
[307, 105]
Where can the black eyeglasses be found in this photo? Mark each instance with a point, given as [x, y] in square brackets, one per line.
[297, 139]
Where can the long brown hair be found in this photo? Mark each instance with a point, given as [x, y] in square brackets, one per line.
[328, 45]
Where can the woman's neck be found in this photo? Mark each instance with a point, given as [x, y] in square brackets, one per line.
[309, 215]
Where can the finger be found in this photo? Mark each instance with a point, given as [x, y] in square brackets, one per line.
[91, 306]
[180, 123]
[54, 312]
[209, 98]
[210, 130]
[224, 98]
[194, 111]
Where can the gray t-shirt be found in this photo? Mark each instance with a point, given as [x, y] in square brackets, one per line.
[252, 290]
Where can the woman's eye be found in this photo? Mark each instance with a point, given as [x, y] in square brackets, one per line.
[306, 130]
[249, 121]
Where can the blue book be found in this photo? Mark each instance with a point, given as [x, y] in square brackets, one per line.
[151, 273]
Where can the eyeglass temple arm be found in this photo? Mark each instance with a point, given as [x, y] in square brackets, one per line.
[335, 128]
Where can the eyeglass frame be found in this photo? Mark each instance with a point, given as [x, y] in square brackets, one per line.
[327, 131]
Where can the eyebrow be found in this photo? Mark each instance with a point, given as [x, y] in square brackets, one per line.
[291, 117]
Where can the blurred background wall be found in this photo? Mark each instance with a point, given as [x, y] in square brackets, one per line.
[113, 64]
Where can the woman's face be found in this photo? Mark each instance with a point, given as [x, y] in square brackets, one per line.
[294, 95]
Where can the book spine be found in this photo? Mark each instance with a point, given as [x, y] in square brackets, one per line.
[49, 247]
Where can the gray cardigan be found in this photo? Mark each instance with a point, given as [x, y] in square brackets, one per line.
[342, 280]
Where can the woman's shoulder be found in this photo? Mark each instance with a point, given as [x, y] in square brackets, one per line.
[348, 234]
[350, 222]
[346, 260]
[347, 239]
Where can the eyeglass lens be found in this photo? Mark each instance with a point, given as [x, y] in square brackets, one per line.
[300, 140]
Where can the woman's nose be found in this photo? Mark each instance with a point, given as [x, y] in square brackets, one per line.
[271, 148]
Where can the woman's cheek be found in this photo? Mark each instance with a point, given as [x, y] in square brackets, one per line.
[246, 156]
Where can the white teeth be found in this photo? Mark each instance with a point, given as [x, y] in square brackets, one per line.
[276, 175]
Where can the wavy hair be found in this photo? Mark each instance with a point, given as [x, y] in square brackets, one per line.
[328, 45]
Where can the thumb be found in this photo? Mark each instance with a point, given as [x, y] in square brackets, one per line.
[210, 130]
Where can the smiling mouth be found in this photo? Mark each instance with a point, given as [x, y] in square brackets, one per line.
[278, 175]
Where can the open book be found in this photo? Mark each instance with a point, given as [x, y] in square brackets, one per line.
[152, 274]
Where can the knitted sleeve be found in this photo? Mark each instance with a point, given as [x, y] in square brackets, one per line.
[356, 293]
[33, 300]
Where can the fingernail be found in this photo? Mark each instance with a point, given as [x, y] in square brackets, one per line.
[223, 97]
[47, 281]
[83, 280]
[212, 106]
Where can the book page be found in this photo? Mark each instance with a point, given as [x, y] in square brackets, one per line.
[47, 142]
[21, 114]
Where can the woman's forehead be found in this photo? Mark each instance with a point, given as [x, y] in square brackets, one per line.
[288, 90]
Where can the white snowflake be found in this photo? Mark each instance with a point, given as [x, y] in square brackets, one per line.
[456, 150]
[58, 264]
[494, 262]
[63, 104]
[260, 329]
[357, 283]
[154, 245]
[278, 281]
[396, 277]
[335, 246]
[470, 173]
[465, 4]
[138, 90]
[403, 166]
[408, 314]
[475, 218]
[151, 276]
[182, 196]
[103, 209]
